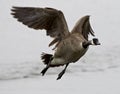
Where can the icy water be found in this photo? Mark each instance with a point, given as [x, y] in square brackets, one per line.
[20, 47]
[97, 72]
[100, 60]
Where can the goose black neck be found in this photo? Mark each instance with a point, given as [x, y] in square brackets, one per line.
[86, 44]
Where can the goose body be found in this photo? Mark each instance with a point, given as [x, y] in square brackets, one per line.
[69, 46]
[69, 50]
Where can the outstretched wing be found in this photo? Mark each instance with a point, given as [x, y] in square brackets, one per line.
[83, 27]
[52, 20]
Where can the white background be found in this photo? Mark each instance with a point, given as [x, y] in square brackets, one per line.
[98, 72]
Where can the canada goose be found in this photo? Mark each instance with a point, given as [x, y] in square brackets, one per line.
[70, 47]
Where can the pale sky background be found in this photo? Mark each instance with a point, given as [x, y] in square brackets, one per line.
[17, 39]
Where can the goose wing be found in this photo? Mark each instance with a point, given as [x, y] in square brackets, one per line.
[52, 20]
[83, 27]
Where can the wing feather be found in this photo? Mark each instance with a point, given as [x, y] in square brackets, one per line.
[83, 27]
[52, 20]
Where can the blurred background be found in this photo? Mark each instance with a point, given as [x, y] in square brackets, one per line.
[21, 47]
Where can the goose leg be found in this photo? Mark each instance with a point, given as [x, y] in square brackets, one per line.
[63, 71]
[44, 70]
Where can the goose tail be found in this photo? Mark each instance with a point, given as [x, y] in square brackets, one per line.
[46, 58]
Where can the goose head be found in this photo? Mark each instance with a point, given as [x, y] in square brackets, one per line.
[94, 41]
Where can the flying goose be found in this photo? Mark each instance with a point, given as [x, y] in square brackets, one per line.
[69, 46]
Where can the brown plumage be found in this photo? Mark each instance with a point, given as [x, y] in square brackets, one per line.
[70, 47]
